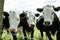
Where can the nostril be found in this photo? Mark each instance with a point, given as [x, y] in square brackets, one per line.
[12, 30]
[47, 23]
[32, 25]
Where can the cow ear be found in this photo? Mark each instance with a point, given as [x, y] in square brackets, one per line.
[56, 9]
[39, 9]
[37, 14]
[6, 14]
[22, 14]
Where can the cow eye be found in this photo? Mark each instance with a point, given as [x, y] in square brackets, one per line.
[52, 13]
[43, 12]
[17, 19]
[27, 18]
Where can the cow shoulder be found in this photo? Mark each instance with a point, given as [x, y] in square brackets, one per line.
[56, 19]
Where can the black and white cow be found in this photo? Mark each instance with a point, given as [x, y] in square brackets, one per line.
[49, 21]
[11, 21]
[27, 22]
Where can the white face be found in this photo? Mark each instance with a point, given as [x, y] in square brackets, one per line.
[31, 17]
[48, 14]
[14, 19]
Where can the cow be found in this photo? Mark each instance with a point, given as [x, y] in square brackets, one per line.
[11, 21]
[27, 22]
[48, 22]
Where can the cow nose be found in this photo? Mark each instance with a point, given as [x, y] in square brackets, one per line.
[12, 30]
[47, 23]
[32, 25]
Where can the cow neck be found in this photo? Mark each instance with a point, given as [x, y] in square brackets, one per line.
[55, 18]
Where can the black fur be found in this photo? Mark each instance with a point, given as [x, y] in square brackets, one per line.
[5, 21]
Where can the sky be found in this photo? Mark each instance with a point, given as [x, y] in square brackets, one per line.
[30, 5]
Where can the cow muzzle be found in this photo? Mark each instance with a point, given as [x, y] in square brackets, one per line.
[31, 25]
[47, 23]
[12, 30]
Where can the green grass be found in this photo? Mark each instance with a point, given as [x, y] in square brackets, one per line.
[37, 35]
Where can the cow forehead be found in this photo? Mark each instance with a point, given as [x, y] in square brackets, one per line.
[14, 11]
[13, 14]
[30, 13]
[48, 8]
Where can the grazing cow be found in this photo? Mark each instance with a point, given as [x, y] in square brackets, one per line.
[49, 21]
[27, 22]
[11, 21]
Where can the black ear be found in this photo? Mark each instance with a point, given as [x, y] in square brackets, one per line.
[23, 14]
[56, 9]
[39, 9]
[6, 14]
[37, 14]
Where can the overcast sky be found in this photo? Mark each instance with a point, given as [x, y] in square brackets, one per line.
[30, 5]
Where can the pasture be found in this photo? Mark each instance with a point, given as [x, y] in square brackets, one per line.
[37, 35]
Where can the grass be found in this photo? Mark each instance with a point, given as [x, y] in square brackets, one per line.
[6, 36]
[37, 35]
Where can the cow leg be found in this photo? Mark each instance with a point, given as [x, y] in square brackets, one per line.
[41, 34]
[20, 29]
[2, 29]
[58, 35]
[32, 34]
[14, 35]
[25, 36]
[49, 35]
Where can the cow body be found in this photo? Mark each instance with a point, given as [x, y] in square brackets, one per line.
[25, 22]
[48, 23]
[5, 21]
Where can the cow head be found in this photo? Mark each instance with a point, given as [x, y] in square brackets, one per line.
[29, 17]
[14, 20]
[48, 14]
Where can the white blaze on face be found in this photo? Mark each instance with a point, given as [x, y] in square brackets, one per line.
[48, 14]
[31, 17]
[14, 19]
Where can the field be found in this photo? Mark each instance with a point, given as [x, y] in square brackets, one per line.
[37, 35]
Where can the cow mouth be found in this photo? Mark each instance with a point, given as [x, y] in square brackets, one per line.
[12, 30]
[46, 24]
[31, 26]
